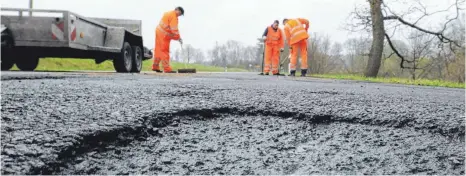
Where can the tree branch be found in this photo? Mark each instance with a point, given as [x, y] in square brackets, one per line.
[391, 54]
[392, 46]
[425, 13]
[440, 35]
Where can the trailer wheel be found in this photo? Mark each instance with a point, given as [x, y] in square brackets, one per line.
[7, 61]
[27, 62]
[123, 62]
[137, 59]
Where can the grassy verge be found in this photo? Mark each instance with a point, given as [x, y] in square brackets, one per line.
[421, 82]
[59, 64]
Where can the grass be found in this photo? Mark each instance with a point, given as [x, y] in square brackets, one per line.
[420, 82]
[61, 64]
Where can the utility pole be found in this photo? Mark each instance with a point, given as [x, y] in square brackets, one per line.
[188, 54]
[217, 54]
[30, 7]
[222, 56]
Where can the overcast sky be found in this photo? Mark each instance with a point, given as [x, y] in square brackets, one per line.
[208, 21]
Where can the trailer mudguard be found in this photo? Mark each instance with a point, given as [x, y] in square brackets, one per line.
[115, 37]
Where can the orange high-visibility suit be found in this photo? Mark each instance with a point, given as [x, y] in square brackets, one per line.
[273, 43]
[297, 36]
[166, 31]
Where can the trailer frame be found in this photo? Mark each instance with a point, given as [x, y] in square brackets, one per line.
[64, 34]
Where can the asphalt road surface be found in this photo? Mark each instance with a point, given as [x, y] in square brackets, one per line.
[229, 123]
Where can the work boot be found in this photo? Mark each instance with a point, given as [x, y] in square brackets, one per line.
[267, 74]
[171, 72]
[276, 74]
[292, 73]
[303, 73]
[158, 71]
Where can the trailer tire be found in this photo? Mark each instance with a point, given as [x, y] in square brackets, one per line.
[27, 62]
[7, 63]
[123, 62]
[137, 59]
[7, 60]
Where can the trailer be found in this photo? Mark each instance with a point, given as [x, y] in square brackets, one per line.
[26, 37]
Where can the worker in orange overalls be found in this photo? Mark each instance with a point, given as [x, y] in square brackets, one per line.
[296, 35]
[273, 46]
[166, 31]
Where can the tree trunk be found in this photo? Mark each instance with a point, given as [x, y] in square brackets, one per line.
[378, 36]
[414, 68]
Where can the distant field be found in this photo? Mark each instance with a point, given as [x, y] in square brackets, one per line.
[56, 64]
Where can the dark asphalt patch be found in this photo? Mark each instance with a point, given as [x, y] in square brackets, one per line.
[13, 75]
[34, 78]
[270, 145]
[242, 142]
[188, 92]
[48, 125]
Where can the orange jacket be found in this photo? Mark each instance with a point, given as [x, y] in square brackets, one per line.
[274, 37]
[169, 25]
[295, 31]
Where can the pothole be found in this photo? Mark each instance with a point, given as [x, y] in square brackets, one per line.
[205, 143]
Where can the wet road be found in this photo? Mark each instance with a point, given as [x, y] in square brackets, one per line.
[236, 123]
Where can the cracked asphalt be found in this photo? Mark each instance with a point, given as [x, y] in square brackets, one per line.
[227, 123]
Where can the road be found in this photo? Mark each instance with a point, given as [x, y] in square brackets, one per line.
[232, 123]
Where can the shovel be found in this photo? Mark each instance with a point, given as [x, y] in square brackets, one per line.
[283, 62]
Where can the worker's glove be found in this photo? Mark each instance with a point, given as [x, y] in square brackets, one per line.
[291, 48]
[264, 38]
[281, 49]
[181, 41]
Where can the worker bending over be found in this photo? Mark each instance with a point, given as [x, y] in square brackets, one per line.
[273, 46]
[296, 35]
[166, 31]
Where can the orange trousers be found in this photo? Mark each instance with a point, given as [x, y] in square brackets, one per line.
[162, 52]
[302, 47]
[272, 57]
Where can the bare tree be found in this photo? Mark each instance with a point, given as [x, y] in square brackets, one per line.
[319, 55]
[234, 54]
[356, 54]
[215, 56]
[337, 62]
[177, 56]
[380, 13]
[419, 53]
[187, 53]
[453, 61]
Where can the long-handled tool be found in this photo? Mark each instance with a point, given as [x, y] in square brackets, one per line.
[280, 63]
[283, 62]
[185, 70]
